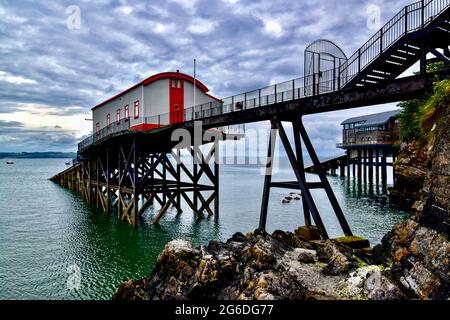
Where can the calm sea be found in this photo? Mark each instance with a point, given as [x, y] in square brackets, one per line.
[47, 232]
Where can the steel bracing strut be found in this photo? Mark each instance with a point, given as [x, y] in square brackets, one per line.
[126, 177]
[296, 162]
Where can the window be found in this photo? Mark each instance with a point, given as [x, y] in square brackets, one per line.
[97, 127]
[118, 115]
[108, 120]
[127, 113]
[136, 109]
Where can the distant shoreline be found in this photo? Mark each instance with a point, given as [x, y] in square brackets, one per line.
[37, 155]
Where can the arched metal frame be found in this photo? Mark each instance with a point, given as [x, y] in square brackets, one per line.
[323, 59]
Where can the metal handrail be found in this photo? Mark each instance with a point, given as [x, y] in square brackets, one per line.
[411, 18]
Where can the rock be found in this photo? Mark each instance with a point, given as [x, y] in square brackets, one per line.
[370, 282]
[338, 257]
[255, 266]
[421, 259]
[308, 233]
[410, 172]
[237, 237]
[422, 282]
[306, 256]
[354, 242]
[291, 239]
[132, 290]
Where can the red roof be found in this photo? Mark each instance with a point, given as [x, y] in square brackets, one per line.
[156, 77]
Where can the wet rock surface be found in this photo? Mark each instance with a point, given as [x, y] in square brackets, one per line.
[278, 266]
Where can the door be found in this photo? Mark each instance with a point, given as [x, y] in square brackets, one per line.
[176, 100]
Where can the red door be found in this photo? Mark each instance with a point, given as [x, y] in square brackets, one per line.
[176, 100]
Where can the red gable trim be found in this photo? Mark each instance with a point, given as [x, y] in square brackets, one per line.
[159, 76]
[176, 75]
[217, 99]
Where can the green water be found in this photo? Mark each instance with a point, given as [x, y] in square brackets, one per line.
[45, 229]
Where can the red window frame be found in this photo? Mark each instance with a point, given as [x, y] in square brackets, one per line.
[136, 109]
[118, 112]
[108, 120]
[97, 127]
[127, 113]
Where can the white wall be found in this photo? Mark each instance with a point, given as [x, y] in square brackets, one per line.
[200, 97]
[99, 113]
[157, 98]
[154, 100]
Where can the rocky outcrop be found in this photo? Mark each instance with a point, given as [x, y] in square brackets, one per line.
[433, 208]
[420, 260]
[263, 266]
[418, 249]
[410, 169]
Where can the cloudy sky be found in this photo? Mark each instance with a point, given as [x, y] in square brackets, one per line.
[52, 72]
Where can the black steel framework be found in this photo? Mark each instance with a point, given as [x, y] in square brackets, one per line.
[128, 178]
[296, 162]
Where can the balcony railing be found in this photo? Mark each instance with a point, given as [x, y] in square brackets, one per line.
[115, 127]
[345, 145]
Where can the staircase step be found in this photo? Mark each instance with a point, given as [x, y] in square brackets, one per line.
[385, 73]
[394, 56]
[394, 62]
[375, 77]
[410, 46]
[409, 53]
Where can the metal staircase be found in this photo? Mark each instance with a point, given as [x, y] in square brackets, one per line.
[419, 28]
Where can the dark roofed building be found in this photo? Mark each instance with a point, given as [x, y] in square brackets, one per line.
[380, 129]
[368, 141]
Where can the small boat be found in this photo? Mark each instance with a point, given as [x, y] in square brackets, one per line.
[68, 163]
[9, 162]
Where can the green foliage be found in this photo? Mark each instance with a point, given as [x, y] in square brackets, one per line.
[434, 105]
[435, 66]
[418, 116]
[410, 119]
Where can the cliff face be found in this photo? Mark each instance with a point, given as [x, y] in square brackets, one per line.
[433, 209]
[418, 248]
[410, 171]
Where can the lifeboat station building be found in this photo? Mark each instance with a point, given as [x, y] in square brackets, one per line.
[157, 101]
